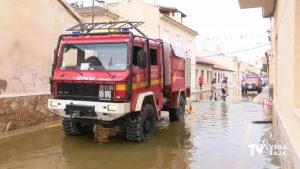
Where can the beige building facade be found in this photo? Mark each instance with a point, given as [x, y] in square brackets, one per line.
[246, 69]
[286, 65]
[220, 72]
[232, 63]
[209, 70]
[205, 68]
[29, 35]
[160, 23]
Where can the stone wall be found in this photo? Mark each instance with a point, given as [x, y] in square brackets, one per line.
[24, 111]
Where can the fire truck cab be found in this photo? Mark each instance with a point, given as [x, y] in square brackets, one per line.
[115, 76]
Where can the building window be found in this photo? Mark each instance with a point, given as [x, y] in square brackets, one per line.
[202, 72]
[178, 40]
[207, 76]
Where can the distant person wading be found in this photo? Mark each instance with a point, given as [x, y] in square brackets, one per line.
[213, 89]
[201, 81]
[224, 88]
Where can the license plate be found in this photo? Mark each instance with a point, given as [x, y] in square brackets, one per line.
[106, 92]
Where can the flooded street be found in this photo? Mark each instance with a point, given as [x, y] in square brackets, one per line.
[215, 135]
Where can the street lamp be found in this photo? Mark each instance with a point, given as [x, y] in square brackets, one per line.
[93, 7]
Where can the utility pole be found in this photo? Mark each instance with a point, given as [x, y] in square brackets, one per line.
[93, 15]
[93, 8]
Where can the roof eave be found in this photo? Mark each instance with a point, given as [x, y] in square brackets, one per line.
[71, 11]
[268, 6]
[170, 20]
[199, 62]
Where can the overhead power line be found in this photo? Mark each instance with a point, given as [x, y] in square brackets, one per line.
[238, 51]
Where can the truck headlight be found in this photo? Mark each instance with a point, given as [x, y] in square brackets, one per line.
[111, 108]
[54, 103]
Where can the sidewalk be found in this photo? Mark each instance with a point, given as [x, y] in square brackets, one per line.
[263, 96]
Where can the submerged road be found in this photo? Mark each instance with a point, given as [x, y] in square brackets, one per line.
[215, 135]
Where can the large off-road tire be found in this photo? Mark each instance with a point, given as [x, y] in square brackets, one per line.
[74, 128]
[140, 126]
[259, 91]
[178, 114]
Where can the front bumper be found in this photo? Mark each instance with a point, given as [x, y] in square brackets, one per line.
[97, 110]
[251, 88]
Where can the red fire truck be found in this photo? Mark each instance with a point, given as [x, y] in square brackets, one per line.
[104, 73]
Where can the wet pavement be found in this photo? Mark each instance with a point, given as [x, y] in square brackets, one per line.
[215, 135]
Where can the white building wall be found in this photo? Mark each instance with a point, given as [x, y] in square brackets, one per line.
[158, 28]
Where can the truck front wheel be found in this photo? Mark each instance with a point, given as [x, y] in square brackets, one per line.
[178, 114]
[141, 125]
[74, 128]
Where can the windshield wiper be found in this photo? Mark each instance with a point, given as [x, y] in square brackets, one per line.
[112, 75]
[78, 72]
[110, 61]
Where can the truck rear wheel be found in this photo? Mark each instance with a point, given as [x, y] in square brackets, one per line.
[259, 91]
[74, 128]
[141, 125]
[178, 114]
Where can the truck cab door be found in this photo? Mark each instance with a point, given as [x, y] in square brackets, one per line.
[156, 75]
[139, 71]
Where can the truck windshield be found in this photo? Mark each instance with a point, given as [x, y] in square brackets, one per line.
[94, 57]
[251, 78]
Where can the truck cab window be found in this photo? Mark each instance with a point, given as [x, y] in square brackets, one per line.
[134, 57]
[153, 56]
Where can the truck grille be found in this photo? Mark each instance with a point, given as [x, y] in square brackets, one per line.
[78, 91]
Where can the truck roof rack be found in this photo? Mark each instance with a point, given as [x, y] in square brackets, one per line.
[120, 26]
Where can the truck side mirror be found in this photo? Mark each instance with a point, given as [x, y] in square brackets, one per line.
[142, 59]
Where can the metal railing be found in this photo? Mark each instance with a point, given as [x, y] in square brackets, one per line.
[120, 26]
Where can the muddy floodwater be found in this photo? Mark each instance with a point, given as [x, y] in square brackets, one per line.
[216, 135]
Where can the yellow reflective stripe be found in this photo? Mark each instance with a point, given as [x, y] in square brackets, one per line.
[138, 85]
[123, 87]
[155, 82]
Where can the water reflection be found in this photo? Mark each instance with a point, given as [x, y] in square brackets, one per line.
[235, 95]
[166, 150]
[33, 150]
[223, 132]
[215, 136]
